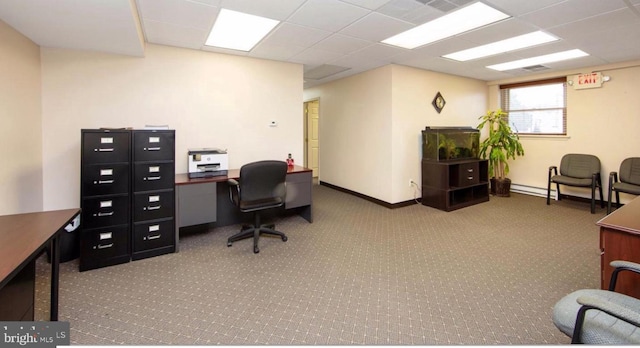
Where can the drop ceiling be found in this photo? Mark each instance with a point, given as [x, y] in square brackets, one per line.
[337, 38]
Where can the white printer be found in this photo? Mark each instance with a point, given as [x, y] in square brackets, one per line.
[207, 162]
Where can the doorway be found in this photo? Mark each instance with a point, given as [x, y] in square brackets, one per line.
[311, 141]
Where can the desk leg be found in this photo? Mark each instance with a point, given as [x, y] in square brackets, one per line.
[55, 276]
[306, 213]
[176, 199]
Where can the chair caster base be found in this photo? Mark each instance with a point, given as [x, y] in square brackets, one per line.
[256, 250]
[229, 244]
[284, 238]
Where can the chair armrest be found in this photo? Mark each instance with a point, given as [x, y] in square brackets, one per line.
[620, 266]
[613, 178]
[234, 190]
[613, 309]
[555, 170]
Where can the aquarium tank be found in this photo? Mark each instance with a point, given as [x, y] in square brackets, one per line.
[450, 143]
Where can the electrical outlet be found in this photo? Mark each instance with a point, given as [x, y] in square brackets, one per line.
[410, 182]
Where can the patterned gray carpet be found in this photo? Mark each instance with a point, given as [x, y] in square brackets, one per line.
[360, 274]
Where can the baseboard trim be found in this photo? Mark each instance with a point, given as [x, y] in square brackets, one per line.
[542, 192]
[369, 198]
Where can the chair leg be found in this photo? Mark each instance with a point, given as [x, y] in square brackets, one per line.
[609, 201]
[600, 190]
[558, 195]
[617, 199]
[549, 188]
[593, 197]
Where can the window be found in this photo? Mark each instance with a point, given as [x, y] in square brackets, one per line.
[538, 107]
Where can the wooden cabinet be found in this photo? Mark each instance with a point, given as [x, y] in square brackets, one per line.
[456, 184]
[153, 228]
[104, 198]
[620, 240]
[127, 195]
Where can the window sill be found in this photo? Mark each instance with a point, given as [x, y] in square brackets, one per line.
[545, 137]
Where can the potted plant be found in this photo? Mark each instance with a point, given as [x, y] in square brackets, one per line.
[501, 145]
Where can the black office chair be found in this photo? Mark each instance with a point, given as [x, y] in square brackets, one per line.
[261, 186]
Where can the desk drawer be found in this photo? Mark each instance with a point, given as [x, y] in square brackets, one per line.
[153, 205]
[153, 176]
[152, 235]
[104, 179]
[153, 145]
[105, 147]
[105, 211]
[104, 243]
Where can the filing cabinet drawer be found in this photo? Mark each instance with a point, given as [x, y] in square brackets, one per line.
[153, 145]
[105, 211]
[154, 234]
[104, 179]
[153, 176]
[153, 205]
[105, 147]
[105, 242]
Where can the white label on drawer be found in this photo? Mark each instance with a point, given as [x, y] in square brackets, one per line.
[106, 172]
[106, 140]
[154, 169]
[106, 204]
[154, 139]
[154, 228]
[154, 199]
[106, 235]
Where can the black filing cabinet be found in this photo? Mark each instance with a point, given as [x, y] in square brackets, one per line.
[153, 226]
[105, 198]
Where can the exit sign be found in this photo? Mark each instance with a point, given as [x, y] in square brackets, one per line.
[584, 81]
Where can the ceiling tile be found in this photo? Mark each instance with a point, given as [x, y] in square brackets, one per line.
[315, 56]
[370, 4]
[341, 44]
[410, 10]
[173, 35]
[331, 15]
[293, 34]
[570, 11]
[279, 10]
[178, 13]
[376, 27]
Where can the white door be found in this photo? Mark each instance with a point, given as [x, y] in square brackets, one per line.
[312, 144]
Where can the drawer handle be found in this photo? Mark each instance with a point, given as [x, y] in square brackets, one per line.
[153, 237]
[153, 208]
[104, 214]
[104, 150]
[470, 170]
[100, 246]
[470, 177]
[100, 182]
[152, 148]
[151, 178]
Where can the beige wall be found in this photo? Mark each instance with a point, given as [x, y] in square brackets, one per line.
[210, 99]
[370, 126]
[21, 129]
[602, 121]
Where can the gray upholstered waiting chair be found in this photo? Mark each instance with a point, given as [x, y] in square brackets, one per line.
[577, 170]
[261, 186]
[629, 180]
[600, 316]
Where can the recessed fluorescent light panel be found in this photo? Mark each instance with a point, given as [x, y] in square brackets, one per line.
[512, 44]
[468, 18]
[549, 58]
[239, 31]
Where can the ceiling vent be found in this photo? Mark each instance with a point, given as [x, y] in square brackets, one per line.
[535, 68]
[445, 5]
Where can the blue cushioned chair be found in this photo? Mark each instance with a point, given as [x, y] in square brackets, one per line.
[600, 316]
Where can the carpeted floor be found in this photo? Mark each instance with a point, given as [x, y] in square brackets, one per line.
[359, 274]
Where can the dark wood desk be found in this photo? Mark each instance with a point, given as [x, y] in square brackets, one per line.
[620, 240]
[22, 238]
[206, 200]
